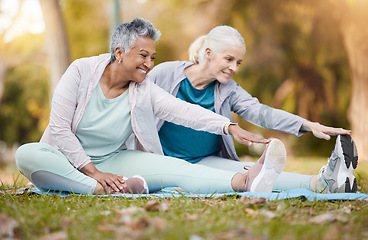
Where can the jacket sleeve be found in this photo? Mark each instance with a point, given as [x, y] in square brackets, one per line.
[172, 109]
[252, 110]
[63, 108]
[163, 74]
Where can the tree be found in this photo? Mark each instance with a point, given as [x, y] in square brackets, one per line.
[56, 41]
[4, 65]
[354, 21]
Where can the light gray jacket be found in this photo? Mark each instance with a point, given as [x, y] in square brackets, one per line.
[146, 100]
[229, 97]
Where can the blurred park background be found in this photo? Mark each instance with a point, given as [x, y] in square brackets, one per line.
[308, 57]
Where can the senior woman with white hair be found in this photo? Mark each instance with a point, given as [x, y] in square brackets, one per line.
[100, 101]
[206, 80]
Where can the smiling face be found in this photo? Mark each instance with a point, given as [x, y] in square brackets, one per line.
[224, 64]
[139, 61]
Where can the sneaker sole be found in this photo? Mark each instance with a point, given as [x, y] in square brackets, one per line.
[274, 163]
[346, 179]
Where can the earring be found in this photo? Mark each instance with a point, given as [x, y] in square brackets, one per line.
[119, 62]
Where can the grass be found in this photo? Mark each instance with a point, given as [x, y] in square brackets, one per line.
[81, 217]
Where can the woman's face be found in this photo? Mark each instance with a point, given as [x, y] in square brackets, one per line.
[224, 64]
[140, 59]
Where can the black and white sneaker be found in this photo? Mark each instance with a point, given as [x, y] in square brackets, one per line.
[338, 173]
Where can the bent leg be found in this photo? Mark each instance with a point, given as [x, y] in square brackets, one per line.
[162, 171]
[48, 169]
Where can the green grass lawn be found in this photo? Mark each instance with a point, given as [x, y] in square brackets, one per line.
[30, 216]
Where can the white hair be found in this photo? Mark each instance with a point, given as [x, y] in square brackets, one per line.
[127, 34]
[217, 39]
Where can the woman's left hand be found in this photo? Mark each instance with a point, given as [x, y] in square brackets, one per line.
[244, 137]
[323, 132]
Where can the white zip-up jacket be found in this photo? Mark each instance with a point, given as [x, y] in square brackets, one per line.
[228, 97]
[146, 101]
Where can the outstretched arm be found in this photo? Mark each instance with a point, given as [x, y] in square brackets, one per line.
[244, 137]
[172, 109]
[323, 132]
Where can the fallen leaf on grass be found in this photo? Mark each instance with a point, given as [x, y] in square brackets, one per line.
[106, 213]
[268, 214]
[251, 212]
[350, 208]
[253, 201]
[234, 234]
[195, 237]
[67, 221]
[105, 227]
[126, 219]
[18, 191]
[7, 226]
[221, 197]
[211, 203]
[55, 236]
[123, 233]
[156, 206]
[139, 224]
[129, 211]
[158, 223]
[327, 218]
[191, 217]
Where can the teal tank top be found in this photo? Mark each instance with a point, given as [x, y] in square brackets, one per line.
[186, 143]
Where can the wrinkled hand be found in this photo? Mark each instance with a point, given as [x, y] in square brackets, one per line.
[324, 132]
[244, 137]
[108, 181]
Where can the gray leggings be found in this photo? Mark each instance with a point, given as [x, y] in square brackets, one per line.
[285, 181]
[48, 169]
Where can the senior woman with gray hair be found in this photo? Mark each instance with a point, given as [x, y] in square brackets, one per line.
[101, 101]
[206, 80]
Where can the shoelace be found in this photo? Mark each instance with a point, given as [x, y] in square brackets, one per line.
[321, 171]
[321, 178]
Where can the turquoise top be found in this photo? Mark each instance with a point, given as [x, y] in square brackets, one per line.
[105, 125]
[186, 143]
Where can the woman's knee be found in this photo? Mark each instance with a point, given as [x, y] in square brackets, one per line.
[29, 154]
[24, 153]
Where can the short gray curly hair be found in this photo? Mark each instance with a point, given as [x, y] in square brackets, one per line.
[126, 34]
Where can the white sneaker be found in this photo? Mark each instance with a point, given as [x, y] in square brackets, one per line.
[263, 174]
[337, 176]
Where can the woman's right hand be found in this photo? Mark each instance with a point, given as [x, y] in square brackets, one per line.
[244, 137]
[108, 181]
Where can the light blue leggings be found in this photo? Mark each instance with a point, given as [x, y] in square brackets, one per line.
[285, 181]
[49, 169]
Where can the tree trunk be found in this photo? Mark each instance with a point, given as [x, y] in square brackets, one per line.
[56, 41]
[3, 68]
[355, 34]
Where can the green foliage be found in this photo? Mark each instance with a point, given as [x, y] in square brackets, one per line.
[24, 104]
[88, 26]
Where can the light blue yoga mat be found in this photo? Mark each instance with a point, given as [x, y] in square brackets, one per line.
[293, 193]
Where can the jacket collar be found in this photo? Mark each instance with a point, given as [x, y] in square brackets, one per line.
[179, 74]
